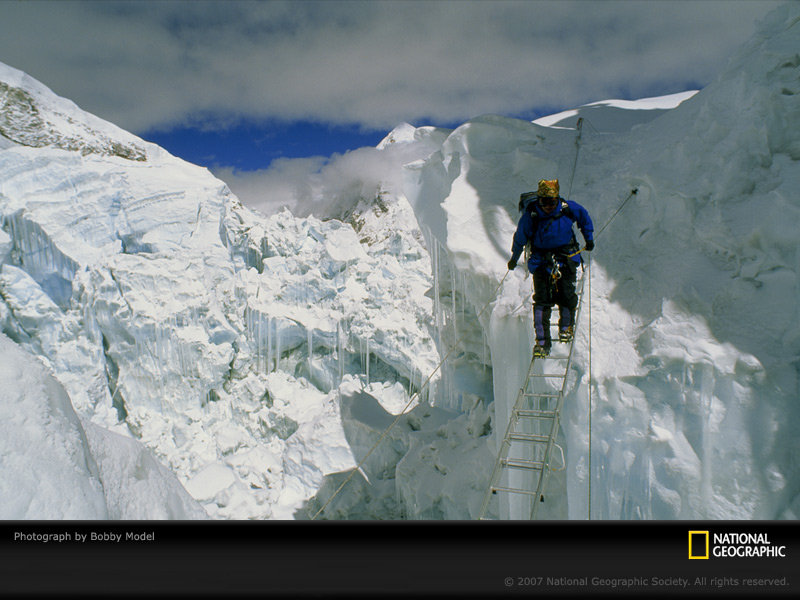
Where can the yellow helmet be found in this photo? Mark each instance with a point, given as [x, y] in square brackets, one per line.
[548, 188]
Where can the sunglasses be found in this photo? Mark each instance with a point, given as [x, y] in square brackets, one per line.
[548, 202]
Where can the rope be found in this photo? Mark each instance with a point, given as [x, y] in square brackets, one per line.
[634, 191]
[590, 388]
[557, 275]
[577, 151]
[405, 408]
[631, 195]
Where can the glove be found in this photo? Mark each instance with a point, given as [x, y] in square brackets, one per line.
[589, 245]
[512, 264]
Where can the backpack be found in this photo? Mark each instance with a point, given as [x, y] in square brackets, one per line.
[527, 202]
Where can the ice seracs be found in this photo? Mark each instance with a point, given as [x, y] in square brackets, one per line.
[260, 358]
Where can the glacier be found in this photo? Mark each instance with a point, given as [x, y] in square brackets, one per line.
[210, 361]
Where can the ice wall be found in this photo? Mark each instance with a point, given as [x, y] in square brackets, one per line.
[693, 386]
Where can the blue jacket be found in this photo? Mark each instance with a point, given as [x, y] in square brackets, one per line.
[548, 233]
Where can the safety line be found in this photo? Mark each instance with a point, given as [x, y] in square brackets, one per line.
[577, 151]
[416, 395]
[590, 387]
[634, 191]
[579, 127]
[631, 195]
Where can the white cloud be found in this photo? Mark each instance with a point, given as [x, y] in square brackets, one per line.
[323, 186]
[145, 65]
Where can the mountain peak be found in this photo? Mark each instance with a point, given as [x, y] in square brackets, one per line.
[31, 115]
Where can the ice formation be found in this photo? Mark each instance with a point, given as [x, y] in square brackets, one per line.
[261, 358]
[56, 465]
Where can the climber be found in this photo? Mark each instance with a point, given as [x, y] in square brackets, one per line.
[554, 258]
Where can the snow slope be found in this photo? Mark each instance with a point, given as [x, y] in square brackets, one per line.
[59, 466]
[261, 358]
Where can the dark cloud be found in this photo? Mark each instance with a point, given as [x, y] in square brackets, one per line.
[146, 65]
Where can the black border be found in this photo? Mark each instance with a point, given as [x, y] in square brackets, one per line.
[379, 559]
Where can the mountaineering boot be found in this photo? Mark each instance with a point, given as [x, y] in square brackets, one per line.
[566, 334]
[540, 351]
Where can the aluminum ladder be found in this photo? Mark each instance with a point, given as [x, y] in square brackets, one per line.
[526, 455]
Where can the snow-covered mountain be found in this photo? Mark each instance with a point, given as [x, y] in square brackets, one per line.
[220, 339]
[261, 358]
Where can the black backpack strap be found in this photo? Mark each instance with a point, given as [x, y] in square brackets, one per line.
[526, 199]
[567, 211]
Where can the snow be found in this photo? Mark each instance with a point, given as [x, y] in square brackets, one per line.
[170, 353]
[58, 466]
[615, 116]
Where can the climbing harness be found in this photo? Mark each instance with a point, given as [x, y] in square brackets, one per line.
[555, 272]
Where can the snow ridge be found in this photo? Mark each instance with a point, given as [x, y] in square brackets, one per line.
[31, 115]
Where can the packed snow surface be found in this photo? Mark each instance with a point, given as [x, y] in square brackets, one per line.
[170, 353]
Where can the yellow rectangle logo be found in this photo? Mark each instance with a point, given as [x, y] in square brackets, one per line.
[698, 545]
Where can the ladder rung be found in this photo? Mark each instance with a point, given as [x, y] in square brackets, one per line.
[513, 491]
[529, 437]
[535, 414]
[548, 375]
[516, 463]
[527, 395]
[553, 357]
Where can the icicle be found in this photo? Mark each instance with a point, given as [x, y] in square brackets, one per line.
[338, 352]
[254, 331]
[310, 351]
[268, 365]
[706, 394]
[342, 352]
[463, 289]
[255, 335]
[485, 358]
[278, 336]
[453, 298]
[451, 378]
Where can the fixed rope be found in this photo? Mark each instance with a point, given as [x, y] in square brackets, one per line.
[578, 139]
[411, 400]
[631, 195]
[590, 387]
[634, 191]
[579, 126]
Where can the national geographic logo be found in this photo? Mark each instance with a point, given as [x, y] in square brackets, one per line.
[702, 545]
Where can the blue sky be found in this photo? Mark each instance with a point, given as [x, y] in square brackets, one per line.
[249, 146]
[242, 87]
